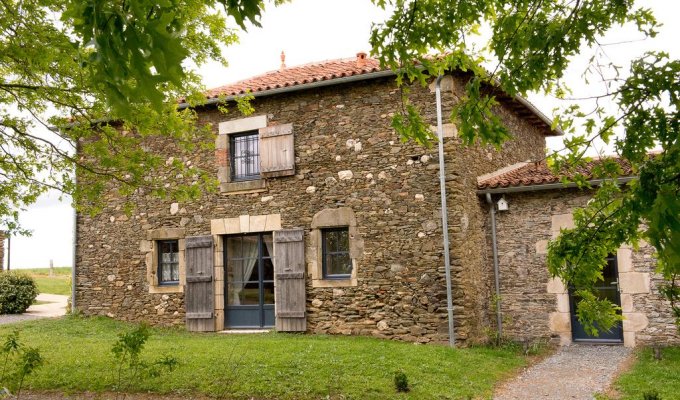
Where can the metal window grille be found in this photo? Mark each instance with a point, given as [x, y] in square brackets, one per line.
[168, 262]
[245, 157]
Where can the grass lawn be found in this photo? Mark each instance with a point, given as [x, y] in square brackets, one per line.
[269, 365]
[650, 375]
[60, 283]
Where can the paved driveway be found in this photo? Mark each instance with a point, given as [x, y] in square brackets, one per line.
[56, 307]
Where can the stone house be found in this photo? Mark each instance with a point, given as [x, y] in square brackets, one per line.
[534, 305]
[326, 222]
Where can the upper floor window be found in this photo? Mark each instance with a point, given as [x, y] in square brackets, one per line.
[245, 156]
[168, 262]
[337, 263]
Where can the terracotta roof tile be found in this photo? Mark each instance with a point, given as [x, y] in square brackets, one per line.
[299, 75]
[537, 173]
[335, 69]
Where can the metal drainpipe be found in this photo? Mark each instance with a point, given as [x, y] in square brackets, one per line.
[496, 272]
[445, 219]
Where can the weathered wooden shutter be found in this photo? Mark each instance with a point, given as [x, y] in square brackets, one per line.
[199, 296]
[277, 152]
[289, 275]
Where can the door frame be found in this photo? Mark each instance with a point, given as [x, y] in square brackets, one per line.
[572, 311]
[262, 306]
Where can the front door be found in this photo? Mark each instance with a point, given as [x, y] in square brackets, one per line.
[607, 288]
[249, 281]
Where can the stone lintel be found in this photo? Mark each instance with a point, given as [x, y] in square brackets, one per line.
[165, 233]
[243, 125]
[245, 224]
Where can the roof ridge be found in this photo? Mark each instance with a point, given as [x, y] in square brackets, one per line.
[318, 63]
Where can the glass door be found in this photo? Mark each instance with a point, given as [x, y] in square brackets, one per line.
[249, 281]
[607, 288]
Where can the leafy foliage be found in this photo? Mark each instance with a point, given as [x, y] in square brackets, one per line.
[107, 85]
[20, 361]
[17, 292]
[526, 47]
[131, 368]
[401, 382]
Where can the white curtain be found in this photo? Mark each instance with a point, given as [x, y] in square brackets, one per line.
[269, 242]
[242, 272]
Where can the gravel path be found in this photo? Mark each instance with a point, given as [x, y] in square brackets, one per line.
[573, 372]
[56, 307]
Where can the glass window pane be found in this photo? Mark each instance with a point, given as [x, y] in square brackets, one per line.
[233, 247]
[175, 272]
[165, 273]
[250, 270]
[339, 264]
[250, 294]
[268, 288]
[267, 270]
[268, 247]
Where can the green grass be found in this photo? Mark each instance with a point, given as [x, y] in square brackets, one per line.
[649, 375]
[59, 283]
[270, 365]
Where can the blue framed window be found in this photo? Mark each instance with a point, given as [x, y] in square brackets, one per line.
[244, 156]
[168, 262]
[337, 263]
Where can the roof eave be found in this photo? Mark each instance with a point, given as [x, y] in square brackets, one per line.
[548, 186]
[295, 88]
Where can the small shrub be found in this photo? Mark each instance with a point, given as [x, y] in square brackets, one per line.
[653, 395]
[131, 368]
[401, 382]
[17, 292]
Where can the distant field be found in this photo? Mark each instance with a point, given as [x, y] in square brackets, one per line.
[60, 283]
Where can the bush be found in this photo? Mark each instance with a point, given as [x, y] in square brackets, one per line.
[401, 382]
[17, 292]
[653, 395]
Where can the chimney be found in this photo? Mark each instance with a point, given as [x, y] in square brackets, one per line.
[361, 59]
[283, 61]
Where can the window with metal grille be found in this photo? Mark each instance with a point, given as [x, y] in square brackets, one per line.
[337, 263]
[244, 156]
[168, 262]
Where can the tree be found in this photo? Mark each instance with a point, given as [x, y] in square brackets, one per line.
[526, 46]
[103, 77]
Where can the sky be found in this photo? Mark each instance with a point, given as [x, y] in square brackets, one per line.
[310, 31]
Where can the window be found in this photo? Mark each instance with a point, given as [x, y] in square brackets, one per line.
[245, 156]
[168, 262]
[337, 263]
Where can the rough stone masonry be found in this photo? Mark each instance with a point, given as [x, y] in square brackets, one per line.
[346, 156]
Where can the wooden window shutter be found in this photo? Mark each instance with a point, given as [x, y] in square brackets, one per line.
[199, 298]
[289, 275]
[277, 152]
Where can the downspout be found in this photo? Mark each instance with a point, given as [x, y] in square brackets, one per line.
[496, 272]
[445, 218]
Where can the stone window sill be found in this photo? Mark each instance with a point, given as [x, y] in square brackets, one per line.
[162, 289]
[256, 185]
[334, 283]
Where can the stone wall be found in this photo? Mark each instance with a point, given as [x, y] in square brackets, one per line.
[535, 306]
[346, 155]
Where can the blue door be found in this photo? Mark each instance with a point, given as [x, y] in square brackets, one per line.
[249, 281]
[607, 288]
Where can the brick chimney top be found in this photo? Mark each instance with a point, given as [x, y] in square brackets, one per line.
[361, 59]
[283, 61]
